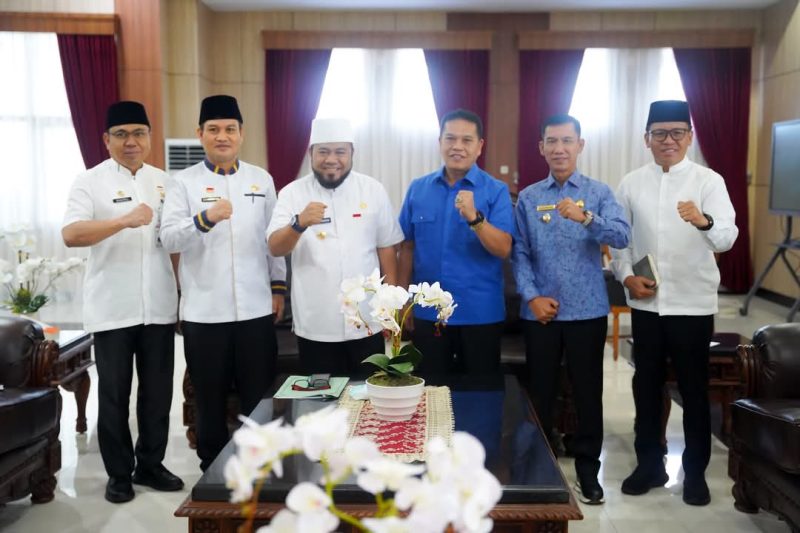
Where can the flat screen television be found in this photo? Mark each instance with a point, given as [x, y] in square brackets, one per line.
[784, 192]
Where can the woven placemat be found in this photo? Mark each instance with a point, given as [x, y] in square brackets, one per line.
[404, 441]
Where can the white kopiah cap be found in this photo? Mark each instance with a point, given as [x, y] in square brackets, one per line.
[331, 130]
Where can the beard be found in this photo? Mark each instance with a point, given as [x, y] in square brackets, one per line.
[330, 184]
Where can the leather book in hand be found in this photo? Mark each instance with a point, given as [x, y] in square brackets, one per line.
[646, 267]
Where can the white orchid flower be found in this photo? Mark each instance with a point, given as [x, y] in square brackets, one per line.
[352, 290]
[284, 521]
[262, 444]
[434, 505]
[306, 497]
[323, 522]
[478, 497]
[239, 478]
[321, 432]
[391, 524]
[385, 474]
[374, 280]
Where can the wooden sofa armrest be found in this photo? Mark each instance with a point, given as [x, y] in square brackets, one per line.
[750, 366]
[43, 364]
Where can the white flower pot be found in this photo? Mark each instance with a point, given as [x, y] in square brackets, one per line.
[395, 404]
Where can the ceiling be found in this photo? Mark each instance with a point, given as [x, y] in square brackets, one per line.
[478, 5]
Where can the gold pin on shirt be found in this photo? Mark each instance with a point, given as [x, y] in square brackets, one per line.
[321, 235]
[552, 207]
[546, 218]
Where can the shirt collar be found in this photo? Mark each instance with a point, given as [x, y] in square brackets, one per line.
[217, 170]
[122, 169]
[682, 165]
[474, 176]
[574, 180]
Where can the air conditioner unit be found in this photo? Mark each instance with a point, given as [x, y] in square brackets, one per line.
[183, 153]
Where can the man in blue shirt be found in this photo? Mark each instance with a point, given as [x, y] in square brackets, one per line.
[458, 224]
[562, 222]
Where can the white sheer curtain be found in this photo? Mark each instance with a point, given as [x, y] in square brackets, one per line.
[40, 156]
[612, 98]
[387, 96]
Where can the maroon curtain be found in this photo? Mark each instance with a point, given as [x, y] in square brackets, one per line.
[292, 92]
[717, 87]
[89, 63]
[546, 83]
[460, 79]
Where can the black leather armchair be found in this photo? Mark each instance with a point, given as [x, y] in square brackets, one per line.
[30, 412]
[764, 459]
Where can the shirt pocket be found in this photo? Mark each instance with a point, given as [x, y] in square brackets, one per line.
[424, 224]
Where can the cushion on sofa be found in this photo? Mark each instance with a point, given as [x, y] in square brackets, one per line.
[26, 415]
[770, 428]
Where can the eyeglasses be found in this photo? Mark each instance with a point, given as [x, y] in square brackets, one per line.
[677, 134]
[311, 385]
[122, 135]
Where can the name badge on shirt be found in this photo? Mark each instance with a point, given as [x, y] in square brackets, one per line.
[326, 220]
[208, 199]
[123, 199]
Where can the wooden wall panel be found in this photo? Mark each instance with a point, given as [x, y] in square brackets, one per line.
[141, 73]
[343, 39]
[60, 6]
[74, 23]
[553, 40]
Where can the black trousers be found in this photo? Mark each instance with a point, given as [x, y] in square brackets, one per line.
[457, 349]
[217, 355]
[339, 358]
[582, 343]
[685, 340]
[152, 348]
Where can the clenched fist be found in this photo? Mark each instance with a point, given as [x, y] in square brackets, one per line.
[141, 215]
[312, 214]
[465, 203]
[544, 308]
[639, 287]
[690, 213]
[220, 210]
[567, 208]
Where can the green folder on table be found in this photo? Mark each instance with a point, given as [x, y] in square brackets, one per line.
[286, 392]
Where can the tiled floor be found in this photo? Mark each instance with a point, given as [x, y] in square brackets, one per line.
[79, 505]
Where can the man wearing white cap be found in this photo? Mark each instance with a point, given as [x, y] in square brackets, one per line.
[337, 224]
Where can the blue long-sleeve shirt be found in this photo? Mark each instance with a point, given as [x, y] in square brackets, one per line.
[561, 258]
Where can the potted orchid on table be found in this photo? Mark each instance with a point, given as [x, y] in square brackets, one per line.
[393, 391]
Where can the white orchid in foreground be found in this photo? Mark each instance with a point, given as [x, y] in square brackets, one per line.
[453, 488]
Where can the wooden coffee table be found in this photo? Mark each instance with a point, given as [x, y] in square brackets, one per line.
[536, 497]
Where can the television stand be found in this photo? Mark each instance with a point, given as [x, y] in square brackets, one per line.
[780, 251]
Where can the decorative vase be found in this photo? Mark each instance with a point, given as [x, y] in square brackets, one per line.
[395, 403]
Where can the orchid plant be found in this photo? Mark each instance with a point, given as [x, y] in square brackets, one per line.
[389, 308]
[453, 488]
[28, 283]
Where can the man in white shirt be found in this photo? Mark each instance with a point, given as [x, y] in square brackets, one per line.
[681, 214]
[215, 216]
[337, 224]
[130, 300]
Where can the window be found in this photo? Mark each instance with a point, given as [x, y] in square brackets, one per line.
[386, 94]
[612, 98]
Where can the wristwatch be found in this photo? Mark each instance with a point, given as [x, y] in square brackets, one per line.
[478, 219]
[589, 218]
[710, 223]
[296, 224]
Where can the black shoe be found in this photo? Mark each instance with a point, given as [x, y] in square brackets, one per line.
[589, 490]
[695, 491]
[158, 478]
[643, 479]
[119, 490]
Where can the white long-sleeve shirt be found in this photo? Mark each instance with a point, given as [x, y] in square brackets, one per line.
[129, 279]
[225, 272]
[359, 220]
[684, 255]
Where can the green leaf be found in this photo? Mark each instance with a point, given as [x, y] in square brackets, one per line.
[380, 360]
